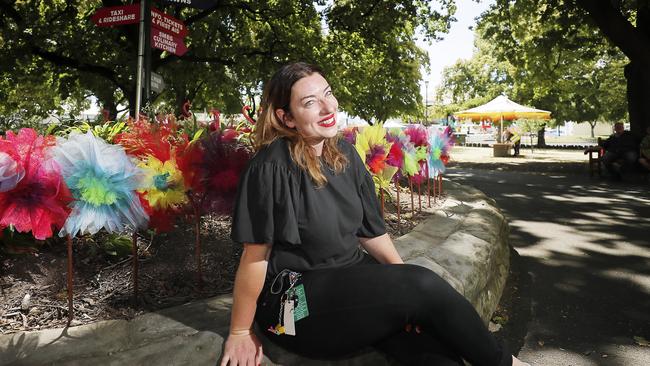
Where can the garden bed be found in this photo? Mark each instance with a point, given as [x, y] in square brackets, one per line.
[102, 282]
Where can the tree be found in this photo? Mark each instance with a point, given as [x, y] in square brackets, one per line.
[546, 35]
[367, 49]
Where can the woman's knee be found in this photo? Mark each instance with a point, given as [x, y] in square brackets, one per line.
[429, 288]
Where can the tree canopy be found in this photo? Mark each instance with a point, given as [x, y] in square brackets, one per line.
[53, 53]
[581, 55]
[583, 84]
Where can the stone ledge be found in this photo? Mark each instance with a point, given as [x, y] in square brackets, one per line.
[465, 242]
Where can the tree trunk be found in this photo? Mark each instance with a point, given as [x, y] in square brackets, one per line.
[632, 40]
[638, 98]
[593, 127]
[111, 109]
[541, 140]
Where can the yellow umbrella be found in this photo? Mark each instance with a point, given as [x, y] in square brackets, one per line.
[501, 108]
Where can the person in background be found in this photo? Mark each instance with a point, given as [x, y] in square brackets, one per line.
[514, 139]
[644, 150]
[621, 151]
[319, 274]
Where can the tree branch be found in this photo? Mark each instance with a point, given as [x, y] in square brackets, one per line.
[195, 18]
[618, 29]
[65, 61]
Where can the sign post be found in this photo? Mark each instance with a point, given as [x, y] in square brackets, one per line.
[116, 15]
[157, 83]
[167, 34]
[139, 71]
[167, 42]
[147, 51]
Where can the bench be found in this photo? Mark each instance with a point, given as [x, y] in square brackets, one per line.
[595, 159]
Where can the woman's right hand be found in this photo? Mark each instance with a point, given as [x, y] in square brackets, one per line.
[242, 350]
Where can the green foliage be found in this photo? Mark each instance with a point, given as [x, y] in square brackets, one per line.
[517, 56]
[53, 53]
[530, 125]
[560, 62]
[117, 246]
[107, 130]
[469, 83]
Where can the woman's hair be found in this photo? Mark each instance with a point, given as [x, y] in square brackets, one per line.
[277, 95]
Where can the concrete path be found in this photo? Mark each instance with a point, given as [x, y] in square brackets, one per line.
[584, 258]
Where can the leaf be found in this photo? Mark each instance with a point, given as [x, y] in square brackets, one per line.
[641, 341]
[198, 134]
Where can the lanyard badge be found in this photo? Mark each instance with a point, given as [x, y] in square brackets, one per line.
[293, 307]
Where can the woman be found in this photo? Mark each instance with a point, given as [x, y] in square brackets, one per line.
[304, 205]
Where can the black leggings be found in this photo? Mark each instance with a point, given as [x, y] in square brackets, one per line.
[370, 305]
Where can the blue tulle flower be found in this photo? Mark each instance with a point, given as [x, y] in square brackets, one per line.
[103, 182]
[439, 144]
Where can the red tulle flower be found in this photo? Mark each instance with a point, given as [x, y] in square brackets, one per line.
[159, 220]
[213, 166]
[40, 200]
[419, 178]
[376, 159]
[162, 140]
[395, 155]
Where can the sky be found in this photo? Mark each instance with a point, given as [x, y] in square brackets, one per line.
[457, 44]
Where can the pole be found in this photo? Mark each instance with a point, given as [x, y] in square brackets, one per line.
[69, 278]
[426, 101]
[139, 71]
[501, 131]
[134, 250]
[147, 51]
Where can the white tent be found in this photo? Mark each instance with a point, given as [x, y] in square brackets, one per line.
[394, 124]
[501, 108]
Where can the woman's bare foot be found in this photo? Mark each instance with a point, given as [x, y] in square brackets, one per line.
[518, 362]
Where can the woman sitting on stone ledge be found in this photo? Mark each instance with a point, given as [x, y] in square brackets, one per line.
[304, 205]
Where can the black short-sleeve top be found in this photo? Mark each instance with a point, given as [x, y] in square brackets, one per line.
[309, 227]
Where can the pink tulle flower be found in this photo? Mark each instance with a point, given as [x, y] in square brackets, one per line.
[39, 201]
[417, 135]
[350, 134]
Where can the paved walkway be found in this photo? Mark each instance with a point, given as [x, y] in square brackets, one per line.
[583, 256]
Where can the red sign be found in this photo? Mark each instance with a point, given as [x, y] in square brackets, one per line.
[117, 15]
[167, 23]
[167, 42]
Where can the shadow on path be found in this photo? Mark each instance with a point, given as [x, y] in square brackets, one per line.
[583, 264]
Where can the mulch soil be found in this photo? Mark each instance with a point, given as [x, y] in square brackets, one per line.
[34, 292]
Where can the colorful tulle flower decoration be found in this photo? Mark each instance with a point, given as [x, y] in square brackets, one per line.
[162, 139]
[10, 172]
[103, 181]
[409, 166]
[158, 146]
[439, 145]
[373, 148]
[39, 200]
[212, 167]
[350, 134]
[165, 188]
[419, 137]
